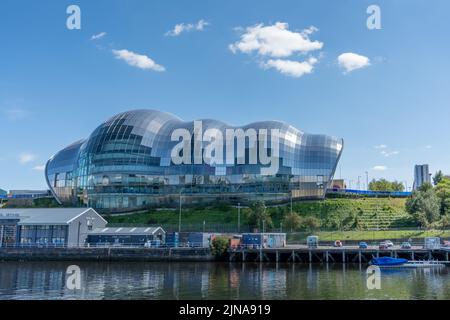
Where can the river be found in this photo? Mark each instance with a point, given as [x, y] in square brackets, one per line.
[48, 280]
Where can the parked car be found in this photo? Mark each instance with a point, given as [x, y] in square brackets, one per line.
[385, 245]
[446, 244]
[338, 243]
[406, 245]
[363, 245]
[389, 243]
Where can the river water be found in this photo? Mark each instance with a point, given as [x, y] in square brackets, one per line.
[49, 280]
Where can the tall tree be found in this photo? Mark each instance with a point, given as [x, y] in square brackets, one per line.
[424, 206]
[259, 216]
[292, 221]
[438, 176]
[385, 185]
[443, 192]
[311, 223]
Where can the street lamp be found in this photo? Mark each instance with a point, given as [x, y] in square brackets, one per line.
[367, 180]
[239, 218]
[179, 215]
[291, 202]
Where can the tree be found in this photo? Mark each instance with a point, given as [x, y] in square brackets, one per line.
[443, 192]
[385, 185]
[292, 221]
[438, 176]
[219, 246]
[259, 216]
[444, 223]
[310, 223]
[424, 206]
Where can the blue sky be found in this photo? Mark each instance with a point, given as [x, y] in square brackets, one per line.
[57, 85]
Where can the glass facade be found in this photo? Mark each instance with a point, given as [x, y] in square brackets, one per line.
[45, 235]
[126, 164]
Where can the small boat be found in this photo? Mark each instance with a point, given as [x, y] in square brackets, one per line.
[388, 262]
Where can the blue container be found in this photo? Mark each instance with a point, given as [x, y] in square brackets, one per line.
[173, 239]
[200, 239]
[252, 240]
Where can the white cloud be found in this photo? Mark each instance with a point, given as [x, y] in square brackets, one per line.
[380, 168]
[186, 27]
[351, 61]
[26, 157]
[381, 146]
[15, 114]
[201, 24]
[291, 68]
[387, 154]
[98, 36]
[39, 167]
[138, 60]
[275, 41]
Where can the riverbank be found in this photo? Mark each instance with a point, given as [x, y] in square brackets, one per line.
[369, 235]
[106, 254]
[291, 253]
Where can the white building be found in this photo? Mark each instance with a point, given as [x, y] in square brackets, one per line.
[48, 227]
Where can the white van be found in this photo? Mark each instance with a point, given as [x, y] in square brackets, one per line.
[432, 243]
[312, 241]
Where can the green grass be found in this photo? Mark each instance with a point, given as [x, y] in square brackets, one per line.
[189, 216]
[334, 214]
[369, 235]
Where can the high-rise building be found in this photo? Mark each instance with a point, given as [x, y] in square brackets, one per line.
[421, 175]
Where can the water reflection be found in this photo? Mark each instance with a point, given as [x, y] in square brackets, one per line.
[45, 280]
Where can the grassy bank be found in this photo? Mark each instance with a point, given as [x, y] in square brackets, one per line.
[333, 214]
[375, 236]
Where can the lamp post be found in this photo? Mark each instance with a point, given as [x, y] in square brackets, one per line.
[406, 185]
[367, 180]
[239, 218]
[291, 202]
[79, 227]
[179, 214]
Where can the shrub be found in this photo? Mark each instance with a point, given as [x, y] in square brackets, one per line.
[219, 246]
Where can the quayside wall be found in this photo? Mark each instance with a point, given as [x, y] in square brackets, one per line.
[105, 254]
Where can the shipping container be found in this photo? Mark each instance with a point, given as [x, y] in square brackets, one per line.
[263, 240]
[200, 239]
[173, 239]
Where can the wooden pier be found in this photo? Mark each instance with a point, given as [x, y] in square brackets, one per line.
[303, 254]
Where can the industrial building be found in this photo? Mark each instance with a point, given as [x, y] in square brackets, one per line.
[127, 163]
[48, 227]
[147, 236]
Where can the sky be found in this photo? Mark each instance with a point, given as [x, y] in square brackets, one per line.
[313, 64]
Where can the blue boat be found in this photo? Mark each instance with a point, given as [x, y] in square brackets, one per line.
[388, 262]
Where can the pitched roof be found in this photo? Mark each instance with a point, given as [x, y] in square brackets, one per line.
[51, 216]
[125, 231]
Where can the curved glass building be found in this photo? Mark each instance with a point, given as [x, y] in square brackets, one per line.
[148, 158]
